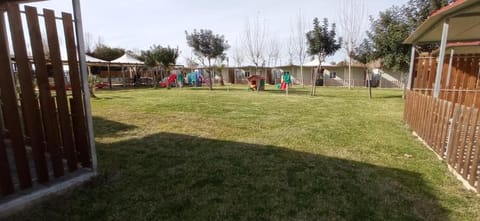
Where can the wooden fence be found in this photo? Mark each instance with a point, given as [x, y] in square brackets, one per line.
[460, 85]
[44, 133]
[451, 130]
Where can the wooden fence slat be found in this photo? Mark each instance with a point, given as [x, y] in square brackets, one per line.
[476, 157]
[458, 163]
[51, 129]
[436, 125]
[81, 136]
[453, 133]
[457, 136]
[6, 181]
[446, 130]
[469, 149]
[32, 115]
[10, 110]
[440, 127]
[61, 94]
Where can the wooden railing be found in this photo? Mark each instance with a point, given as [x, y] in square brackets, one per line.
[451, 130]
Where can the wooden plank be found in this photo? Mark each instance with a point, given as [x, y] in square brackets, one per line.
[476, 158]
[6, 181]
[462, 142]
[454, 78]
[429, 123]
[469, 149]
[10, 110]
[32, 115]
[436, 125]
[441, 125]
[445, 133]
[431, 81]
[453, 133]
[443, 78]
[61, 94]
[79, 119]
[50, 127]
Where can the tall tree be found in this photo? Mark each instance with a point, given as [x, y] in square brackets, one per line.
[322, 42]
[161, 59]
[351, 20]
[393, 26]
[209, 46]
[364, 53]
[299, 43]
[107, 53]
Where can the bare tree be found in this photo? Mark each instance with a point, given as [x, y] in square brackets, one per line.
[238, 55]
[89, 47]
[255, 42]
[273, 52]
[298, 41]
[351, 19]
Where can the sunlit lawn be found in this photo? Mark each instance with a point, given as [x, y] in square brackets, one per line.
[194, 154]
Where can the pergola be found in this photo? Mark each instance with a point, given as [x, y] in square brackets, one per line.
[457, 23]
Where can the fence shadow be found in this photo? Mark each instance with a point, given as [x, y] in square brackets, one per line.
[106, 128]
[178, 177]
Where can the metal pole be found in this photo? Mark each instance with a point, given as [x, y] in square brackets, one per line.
[441, 58]
[77, 14]
[412, 63]
[450, 68]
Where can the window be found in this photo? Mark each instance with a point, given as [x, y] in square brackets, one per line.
[333, 74]
[247, 74]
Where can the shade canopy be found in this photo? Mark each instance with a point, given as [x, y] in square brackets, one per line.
[463, 17]
[91, 59]
[127, 59]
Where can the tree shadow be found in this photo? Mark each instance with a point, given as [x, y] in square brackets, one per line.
[179, 177]
[107, 128]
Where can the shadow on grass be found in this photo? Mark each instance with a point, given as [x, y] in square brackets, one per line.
[178, 177]
[108, 128]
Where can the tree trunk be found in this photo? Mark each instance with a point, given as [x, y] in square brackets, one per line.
[349, 72]
[314, 82]
[369, 85]
[210, 75]
[91, 83]
[301, 75]
[258, 78]
[221, 80]
[109, 77]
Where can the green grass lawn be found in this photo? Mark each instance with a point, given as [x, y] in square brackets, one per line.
[194, 154]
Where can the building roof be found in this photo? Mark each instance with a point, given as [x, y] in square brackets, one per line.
[464, 24]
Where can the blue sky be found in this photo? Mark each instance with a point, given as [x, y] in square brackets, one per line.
[136, 25]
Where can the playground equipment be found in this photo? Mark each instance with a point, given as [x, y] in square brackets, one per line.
[252, 82]
[170, 81]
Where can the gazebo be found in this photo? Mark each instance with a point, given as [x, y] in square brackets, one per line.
[443, 97]
[129, 61]
[46, 141]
